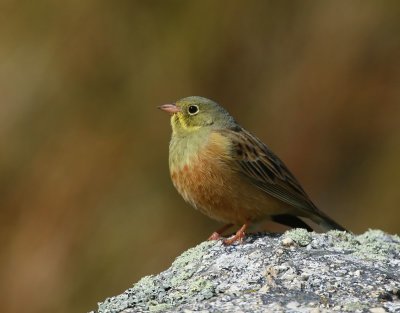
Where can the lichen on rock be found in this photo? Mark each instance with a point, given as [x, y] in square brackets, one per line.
[292, 272]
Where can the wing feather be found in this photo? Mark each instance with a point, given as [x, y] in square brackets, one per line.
[259, 164]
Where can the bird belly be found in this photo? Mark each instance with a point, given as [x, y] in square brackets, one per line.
[222, 193]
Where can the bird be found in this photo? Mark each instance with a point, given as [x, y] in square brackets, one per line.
[230, 175]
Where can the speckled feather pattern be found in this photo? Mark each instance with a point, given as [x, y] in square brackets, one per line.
[265, 170]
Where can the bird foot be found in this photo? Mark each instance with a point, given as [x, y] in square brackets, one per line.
[214, 236]
[237, 237]
[240, 234]
[217, 234]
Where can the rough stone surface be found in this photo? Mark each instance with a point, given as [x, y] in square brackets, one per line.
[292, 272]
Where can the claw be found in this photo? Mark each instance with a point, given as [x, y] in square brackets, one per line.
[240, 234]
[217, 234]
[214, 236]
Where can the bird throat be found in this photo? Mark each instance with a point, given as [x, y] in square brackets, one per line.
[185, 146]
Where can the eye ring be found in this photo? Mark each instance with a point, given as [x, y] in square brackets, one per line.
[193, 109]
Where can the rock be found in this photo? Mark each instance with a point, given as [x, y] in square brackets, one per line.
[377, 310]
[287, 241]
[309, 272]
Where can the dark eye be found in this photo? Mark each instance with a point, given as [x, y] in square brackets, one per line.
[193, 109]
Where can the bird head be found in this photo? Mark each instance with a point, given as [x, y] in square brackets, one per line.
[196, 113]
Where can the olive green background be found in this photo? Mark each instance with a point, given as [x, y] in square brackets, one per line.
[87, 206]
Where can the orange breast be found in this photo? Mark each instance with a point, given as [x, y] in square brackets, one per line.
[211, 183]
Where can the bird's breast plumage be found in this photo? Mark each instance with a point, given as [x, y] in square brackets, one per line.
[206, 177]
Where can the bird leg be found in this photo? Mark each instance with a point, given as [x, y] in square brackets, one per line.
[217, 234]
[238, 236]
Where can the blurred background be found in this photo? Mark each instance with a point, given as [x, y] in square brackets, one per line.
[86, 203]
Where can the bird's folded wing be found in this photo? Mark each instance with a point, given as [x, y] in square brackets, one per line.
[265, 170]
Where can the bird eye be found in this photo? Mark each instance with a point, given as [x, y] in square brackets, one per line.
[193, 109]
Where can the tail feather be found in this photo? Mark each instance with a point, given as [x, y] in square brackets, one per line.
[326, 222]
[291, 221]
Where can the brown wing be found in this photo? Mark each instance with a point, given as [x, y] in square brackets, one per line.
[257, 162]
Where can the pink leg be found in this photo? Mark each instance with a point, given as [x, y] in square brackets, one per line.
[238, 236]
[217, 234]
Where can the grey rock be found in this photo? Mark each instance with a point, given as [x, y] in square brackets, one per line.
[292, 272]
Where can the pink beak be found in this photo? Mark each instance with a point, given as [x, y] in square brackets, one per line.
[169, 108]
